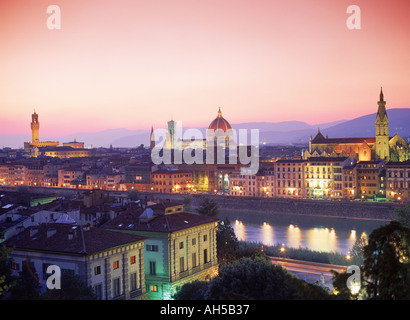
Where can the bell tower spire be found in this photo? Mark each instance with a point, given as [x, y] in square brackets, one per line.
[382, 130]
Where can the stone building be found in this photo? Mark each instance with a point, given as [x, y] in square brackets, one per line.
[112, 263]
[382, 146]
[181, 247]
[370, 179]
[398, 181]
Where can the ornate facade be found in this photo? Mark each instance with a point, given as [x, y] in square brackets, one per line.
[380, 147]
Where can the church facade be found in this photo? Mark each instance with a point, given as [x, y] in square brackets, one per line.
[380, 147]
[210, 177]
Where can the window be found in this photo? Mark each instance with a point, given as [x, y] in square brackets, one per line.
[132, 260]
[133, 281]
[205, 237]
[193, 241]
[152, 268]
[97, 270]
[116, 264]
[205, 255]
[181, 245]
[154, 288]
[15, 266]
[116, 287]
[194, 260]
[98, 291]
[152, 247]
[181, 264]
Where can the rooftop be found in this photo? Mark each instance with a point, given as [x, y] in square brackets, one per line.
[131, 221]
[70, 239]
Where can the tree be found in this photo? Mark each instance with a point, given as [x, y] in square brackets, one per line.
[208, 207]
[403, 216]
[386, 266]
[341, 289]
[72, 288]
[192, 291]
[227, 242]
[187, 202]
[27, 286]
[259, 279]
[357, 251]
[6, 279]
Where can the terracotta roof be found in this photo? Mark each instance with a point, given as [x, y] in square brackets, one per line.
[319, 140]
[327, 159]
[170, 171]
[165, 205]
[84, 240]
[161, 223]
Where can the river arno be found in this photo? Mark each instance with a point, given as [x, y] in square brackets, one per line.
[327, 234]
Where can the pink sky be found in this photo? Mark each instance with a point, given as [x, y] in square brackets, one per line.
[133, 64]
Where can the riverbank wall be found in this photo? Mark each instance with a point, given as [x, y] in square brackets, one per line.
[283, 206]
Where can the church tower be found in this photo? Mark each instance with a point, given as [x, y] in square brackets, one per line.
[35, 127]
[152, 139]
[382, 131]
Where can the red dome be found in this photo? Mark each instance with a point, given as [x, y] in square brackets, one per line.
[219, 123]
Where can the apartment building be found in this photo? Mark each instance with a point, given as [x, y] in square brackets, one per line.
[112, 263]
[398, 181]
[290, 178]
[181, 247]
[324, 177]
[261, 184]
[371, 179]
[171, 181]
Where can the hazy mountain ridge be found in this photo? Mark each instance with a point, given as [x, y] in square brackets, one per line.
[285, 132]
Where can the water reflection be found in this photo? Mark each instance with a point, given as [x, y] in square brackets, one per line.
[239, 228]
[267, 234]
[322, 239]
[295, 236]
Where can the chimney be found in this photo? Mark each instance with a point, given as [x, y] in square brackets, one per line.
[51, 232]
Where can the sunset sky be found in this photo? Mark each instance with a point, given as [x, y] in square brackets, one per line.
[133, 63]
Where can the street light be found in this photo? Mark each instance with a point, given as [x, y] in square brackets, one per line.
[348, 256]
[282, 248]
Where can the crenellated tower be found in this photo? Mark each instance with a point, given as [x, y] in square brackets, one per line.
[35, 127]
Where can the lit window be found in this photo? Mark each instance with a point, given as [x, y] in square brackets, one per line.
[97, 270]
[116, 264]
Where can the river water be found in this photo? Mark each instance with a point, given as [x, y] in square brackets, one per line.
[296, 231]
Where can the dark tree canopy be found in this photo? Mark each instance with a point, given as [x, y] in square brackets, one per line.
[386, 266]
[208, 207]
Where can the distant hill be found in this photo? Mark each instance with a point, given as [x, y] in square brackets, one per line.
[286, 132]
[399, 122]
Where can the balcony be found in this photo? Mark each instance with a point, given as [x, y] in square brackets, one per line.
[192, 271]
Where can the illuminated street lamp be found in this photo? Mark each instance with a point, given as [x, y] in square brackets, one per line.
[348, 256]
[282, 248]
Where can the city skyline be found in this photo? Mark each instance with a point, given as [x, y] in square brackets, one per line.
[136, 64]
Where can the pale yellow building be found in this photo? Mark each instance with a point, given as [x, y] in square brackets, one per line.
[181, 247]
